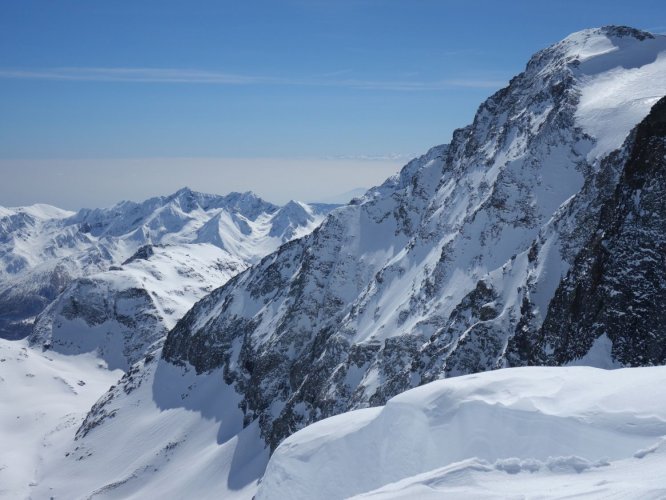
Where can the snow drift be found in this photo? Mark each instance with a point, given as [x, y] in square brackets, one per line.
[538, 431]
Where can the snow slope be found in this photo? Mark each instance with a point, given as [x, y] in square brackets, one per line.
[186, 439]
[45, 397]
[621, 80]
[160, 432]
[521, 432]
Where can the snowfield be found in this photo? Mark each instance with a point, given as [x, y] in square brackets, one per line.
[161, 432]
[620, 82]
[44, 398]
[186, 441]
[513, 433]
[538, 432]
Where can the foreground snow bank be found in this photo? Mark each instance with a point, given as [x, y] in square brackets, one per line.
[559, 431]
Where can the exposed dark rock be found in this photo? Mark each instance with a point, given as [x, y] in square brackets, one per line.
[617, 286]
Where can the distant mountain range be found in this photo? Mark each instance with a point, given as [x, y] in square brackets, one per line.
[43, 248]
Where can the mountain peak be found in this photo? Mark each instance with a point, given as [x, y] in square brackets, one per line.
[625, 31]
[611, 31]
[249, 204]
[189, 195]
[431, 273]
[293, 205]
[608, 37]
[185, 190]
[592, 43]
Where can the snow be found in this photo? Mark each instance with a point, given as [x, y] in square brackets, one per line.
[538, 432]
[45, 396]
[561, 477]
[116, 320]
[43, 248]
[620, 80]
[90, 240]
[176, 436]
[174, 427]
[40, 211]
[430, 274]
[173, 434]
[599, 355]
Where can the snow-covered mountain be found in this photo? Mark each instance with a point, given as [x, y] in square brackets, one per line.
[463, 262]
[43, 248]
[451, 266]
[120, 314]
[609, 308]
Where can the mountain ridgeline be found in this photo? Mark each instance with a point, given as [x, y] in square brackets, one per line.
[139, 266]
[534, 237]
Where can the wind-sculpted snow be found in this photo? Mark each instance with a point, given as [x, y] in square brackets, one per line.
[432, 273]
[42, 248]
[521, 432]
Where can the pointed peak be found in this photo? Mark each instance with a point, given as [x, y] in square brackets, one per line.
[249, 204]
[294, 204]
[244, 196]
[184, 191]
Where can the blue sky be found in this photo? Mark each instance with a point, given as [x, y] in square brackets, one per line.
[266, 79]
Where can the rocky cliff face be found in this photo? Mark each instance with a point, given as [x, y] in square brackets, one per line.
[449, 267]
[610, 305]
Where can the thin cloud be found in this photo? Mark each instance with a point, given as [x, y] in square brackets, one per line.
[192, 76]
[139, 75]
[400, 157]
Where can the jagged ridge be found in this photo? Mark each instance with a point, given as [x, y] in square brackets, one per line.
[430, 274]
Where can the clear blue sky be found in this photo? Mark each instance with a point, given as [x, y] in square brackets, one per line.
[279, 79]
